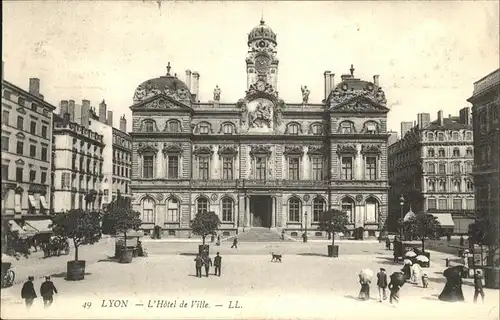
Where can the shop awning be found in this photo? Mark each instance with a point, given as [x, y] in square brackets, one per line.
[444, 219]
[32, 200]
[15, 227]
[39, 226]
[44, 202]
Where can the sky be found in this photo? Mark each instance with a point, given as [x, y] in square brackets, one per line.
[428, 54]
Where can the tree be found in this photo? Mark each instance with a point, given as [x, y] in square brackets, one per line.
[484, 232]
[12, 244]
[120, 217]
[81, 226]
[333, 221]
[204, 224]
[422, 226]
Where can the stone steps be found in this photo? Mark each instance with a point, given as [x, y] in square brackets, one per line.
[260, 235]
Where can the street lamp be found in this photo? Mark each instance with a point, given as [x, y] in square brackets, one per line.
[401, 203]
[305, 233]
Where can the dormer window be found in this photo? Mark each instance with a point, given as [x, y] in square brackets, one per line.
[346, 127]
[468, 135]
[317, 129]
[454, 136]
[430, 153]
[456, 152]
[371, 127]
[441, 153]
[293, 129]
[430, 136]
[441, 136]
[149, 126]
[174, 126]
[227, 128]
[204, 128]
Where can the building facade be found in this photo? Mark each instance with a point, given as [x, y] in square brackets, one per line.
[78, 160]
[259, 162]
[431, 166]
[26, 153]
[485, 110]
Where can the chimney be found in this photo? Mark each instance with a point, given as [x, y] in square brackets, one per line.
[345, 77]
[71, 110]
[102, 112]
[64, 108]
[66, 118]
[327, 84]
[375, 80]
[332, 82]
[123, 124]
[85, 112]
[423, 119]
[34, 87]
[440, 118]
[188, 79]
[196, 85]
[110, 118]
[465, 116]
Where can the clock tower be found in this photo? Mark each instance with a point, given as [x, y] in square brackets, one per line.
[262, 63]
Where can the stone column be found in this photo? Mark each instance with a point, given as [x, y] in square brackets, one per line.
[358, 164]
[273, 212]
[241, 211]
[247, 211]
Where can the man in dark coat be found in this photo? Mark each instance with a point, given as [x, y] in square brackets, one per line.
[394, 289]
[461, 241]
[382, 284]
[28, 292]
[235, 243]
[452, 290]
[478, 286]
[198, 263]
[47, 290]
[217, 264]
[207, 262]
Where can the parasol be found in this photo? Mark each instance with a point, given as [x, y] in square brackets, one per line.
[422, 258]
[398, 278]
[455, 271]
[366, 272]
[407, 261]
[410, 254]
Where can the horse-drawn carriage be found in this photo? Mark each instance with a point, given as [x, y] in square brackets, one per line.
[55, 246]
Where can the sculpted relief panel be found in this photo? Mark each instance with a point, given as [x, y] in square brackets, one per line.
[260, 115]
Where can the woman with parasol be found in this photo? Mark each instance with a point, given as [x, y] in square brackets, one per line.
[365, 278]
[407, 268]
[397, 281]
[452, 290]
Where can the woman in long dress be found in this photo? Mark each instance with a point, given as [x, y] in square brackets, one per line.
[452, 290]
[364, 293]
[407, 271]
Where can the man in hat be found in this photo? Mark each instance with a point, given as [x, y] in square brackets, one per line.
[207, 262]
[478, 286]
[382, 284]
[47, 290]
[217, 264]
[235, 243]
[198, 264]
[28, 292]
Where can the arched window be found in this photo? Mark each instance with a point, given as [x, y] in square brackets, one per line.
[443, 203]
[202, 205]
[430, 136]
[346, 127]
[227, 128]
[442, 186]
[149, 125]
[456, 167]
[441, 136]
[454, 136]
[370, 127]
[441, 153]
[227, 210]
[371, 210]
[456, 186]
[468, 135]
[293, 129]
[456, 152]
[430, 153]
[204, 128]
[348, 208]
[432, 186]
[174, 126]
[318, 208]
[442, 168]
[172, 210]
[470, 186]
[294, 210]
[431, 168]
[148, 210]
[317, 129]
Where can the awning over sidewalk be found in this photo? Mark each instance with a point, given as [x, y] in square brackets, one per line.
[15, 227]
[39, 226]
[44, 202]
[32, 201]
[444, 219]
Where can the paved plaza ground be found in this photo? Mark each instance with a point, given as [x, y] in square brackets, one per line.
[307, 284]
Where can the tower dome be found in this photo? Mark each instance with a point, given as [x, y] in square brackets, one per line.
[262, 32]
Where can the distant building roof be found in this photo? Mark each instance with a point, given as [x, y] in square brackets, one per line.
[452, 123]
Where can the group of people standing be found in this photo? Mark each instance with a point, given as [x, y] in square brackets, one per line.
[383, 283]
[203, 260]
[47, 291]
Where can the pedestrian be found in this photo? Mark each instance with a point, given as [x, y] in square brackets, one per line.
[425, 280]
[407, 270]
[461, 241]
[235, 243]
[382, 284]
[47, 290]
[207, 262]
[416, 271]
[212, 238]
[198, 263]
[218, 241]
[217, 264]
[283, 235]
[394, 289]
[28, 292]
[388, 243]
[448, 237]
[364, 293]
[478, 286]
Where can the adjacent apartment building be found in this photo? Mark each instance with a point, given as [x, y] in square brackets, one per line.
[431, 166]
[26, 155]
[260, 161]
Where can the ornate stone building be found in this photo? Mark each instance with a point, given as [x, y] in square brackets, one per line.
[431, 166]
[259, 162]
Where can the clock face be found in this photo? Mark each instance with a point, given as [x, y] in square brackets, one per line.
[262, 43]
[262, 63]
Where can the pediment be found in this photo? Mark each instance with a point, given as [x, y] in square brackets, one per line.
[203, 150]
[171, 148]
[147, 148]
[20, 162]
[370, 148]
[228, 150]
[316, 150]
[260, 149]
[359, 104]
[293, 150]
[162, 102]
[346, 149]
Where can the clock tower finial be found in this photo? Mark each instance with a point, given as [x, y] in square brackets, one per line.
[352, 70]
[168, 68]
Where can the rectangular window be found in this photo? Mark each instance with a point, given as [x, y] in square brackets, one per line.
[456, 168]
[442, 168]
[347, 208]
[318, 209]
[20, 123]
[470, 204]
[317, 168]
[227, 168]
[43, 177]
[5, 143]
[19, 174]
[20, 147]
[148, 167]
[5, 117]
[32, 151]
[371, 168]
[293, 168]
[5, 172]
[33, 127]
[173, 167]
[32, 175]
[73, 198]
[294, 211]
[44, 153]
[443, 204]
[431, 204]
[260, 168]
[346, 168]
[114, 169]
[7, 94]
[203, 166]
[457, 204]
[204, 129]
[227, 211]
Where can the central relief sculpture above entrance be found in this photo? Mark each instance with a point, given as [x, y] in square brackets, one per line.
[261, 113]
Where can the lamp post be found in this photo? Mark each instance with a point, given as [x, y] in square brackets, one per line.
[305, 233]
[401, 203]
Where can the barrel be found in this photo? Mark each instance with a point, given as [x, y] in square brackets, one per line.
[75, 270]
[126, 255]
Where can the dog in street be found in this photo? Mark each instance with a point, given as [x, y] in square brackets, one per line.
[276, 257]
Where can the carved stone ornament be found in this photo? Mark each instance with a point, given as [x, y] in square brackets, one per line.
[359, 198]
[231, 150]
[20, 162]
[161, 104]
[261, 86]
[293, 150]
[359, 106]
[172, 148]
[260, 149]
[343, 94]
[346, 148]
[316, 150]
[305, 94]
[307, 198]
[147, 147]
[370, 148]
[217, 93]
[145, 91]
[178, 94]
[262, 115]
[203, 150]
[159, 197]
[213, 197]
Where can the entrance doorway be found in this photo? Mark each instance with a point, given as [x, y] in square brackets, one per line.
[260, 211]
